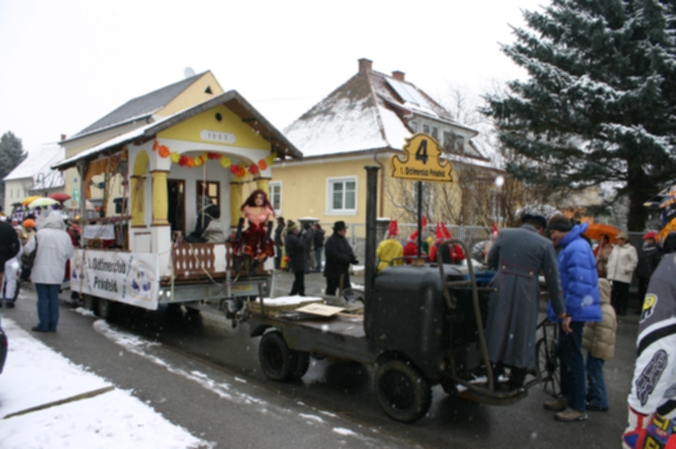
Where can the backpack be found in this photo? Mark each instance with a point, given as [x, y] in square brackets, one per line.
[27, 260]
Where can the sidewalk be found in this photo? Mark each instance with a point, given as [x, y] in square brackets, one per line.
[47, 401]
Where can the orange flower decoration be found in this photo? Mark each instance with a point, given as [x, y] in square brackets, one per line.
[164, 151]
[190, 163]
[156, 145]
[262, 164]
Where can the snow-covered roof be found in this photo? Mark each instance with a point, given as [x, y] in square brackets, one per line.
[39, 160]
[368, 112]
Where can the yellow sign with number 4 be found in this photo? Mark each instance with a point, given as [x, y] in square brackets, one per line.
[422, 161]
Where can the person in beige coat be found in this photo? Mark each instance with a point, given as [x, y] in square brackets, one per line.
[599, 340]
[620, 269]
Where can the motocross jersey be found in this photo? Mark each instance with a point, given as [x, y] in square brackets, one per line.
[652, 401]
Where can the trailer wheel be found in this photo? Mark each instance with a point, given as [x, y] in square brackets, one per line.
[104, 308]
[88, 302]
[402, 390]
[277, 361]
[301, 363]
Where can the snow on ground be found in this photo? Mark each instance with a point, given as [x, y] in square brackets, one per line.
[34, 375]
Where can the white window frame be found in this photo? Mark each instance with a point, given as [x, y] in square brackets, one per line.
[329, 210]
[272, 185]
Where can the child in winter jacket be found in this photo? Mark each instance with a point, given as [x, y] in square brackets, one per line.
[599, 341]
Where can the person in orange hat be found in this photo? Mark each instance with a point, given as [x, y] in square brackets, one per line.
[390, 248]
[647, 262]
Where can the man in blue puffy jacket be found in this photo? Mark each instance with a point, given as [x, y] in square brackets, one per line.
[579, 280]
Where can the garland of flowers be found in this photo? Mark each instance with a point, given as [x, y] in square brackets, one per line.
[239, 170]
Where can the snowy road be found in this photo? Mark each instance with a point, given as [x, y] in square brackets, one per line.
[203, 376]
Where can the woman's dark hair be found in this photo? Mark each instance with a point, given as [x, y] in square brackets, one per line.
[251, 201]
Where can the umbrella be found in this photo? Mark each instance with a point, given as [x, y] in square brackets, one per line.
[43, 202]
[59, 196]
[30, 199]
[75, 205]
[596, 230]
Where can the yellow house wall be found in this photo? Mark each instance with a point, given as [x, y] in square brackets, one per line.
[305, 184]
[193, 95]
[304, 188]
[15, 191]
[190, 129]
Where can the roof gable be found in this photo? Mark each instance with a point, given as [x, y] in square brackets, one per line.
[369, 112]
[232, 100]
[142, 106]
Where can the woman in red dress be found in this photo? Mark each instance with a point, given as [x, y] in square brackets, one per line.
[255, 240]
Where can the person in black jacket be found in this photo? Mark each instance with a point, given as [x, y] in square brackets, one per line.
[9, 245]
[647, 262]
[319, 246]
[309, 236]
[279, 241]
[339, 256]
[295, 249]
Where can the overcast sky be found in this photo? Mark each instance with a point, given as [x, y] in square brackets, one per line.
[67, 63]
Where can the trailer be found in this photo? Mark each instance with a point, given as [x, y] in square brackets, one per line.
[421, 326]
[152, 184]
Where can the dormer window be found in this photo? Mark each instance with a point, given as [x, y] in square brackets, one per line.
[453, 143]
[426, 129]
[435, 132]
[414, 126]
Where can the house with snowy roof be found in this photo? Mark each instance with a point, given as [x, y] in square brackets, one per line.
[34, 175]
[364, 122]
[132, 115]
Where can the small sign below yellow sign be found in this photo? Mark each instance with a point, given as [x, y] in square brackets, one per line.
[422, 161]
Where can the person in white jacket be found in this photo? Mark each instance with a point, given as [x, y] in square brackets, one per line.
[620, 269]
[54, 248]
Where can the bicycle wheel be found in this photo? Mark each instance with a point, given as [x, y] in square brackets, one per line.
[548, 366]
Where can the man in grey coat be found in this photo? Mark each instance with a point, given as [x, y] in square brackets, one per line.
[54, 249]
[520, 255]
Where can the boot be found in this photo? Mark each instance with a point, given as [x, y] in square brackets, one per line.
[557, 405]
[570, 415]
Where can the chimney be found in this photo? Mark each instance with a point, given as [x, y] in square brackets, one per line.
[398, 75]
[365, 64]
[63, 137]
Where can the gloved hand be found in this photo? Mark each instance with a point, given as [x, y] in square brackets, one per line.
[354, 261]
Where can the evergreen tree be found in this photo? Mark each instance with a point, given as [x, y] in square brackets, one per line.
[11, 155]
[599, 105]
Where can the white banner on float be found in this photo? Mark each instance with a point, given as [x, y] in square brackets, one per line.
[126, 277]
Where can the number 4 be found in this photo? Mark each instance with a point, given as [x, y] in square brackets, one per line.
[421, 153]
